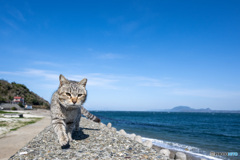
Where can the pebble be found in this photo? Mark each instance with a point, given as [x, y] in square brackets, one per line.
[132, 136]
[114, 129]
[165, 152]
[138, 139]
[148, 143]
[122, 132]
[109, 125]
[22, 153]
[102, 125]
[180, 156]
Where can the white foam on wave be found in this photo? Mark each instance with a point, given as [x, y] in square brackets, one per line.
[180, 147]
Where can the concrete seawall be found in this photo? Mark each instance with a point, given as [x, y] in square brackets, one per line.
[93, 141]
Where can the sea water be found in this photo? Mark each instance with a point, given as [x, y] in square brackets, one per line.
[194, 133]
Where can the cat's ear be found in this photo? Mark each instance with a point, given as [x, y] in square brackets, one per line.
[83, 82]
[62, 80]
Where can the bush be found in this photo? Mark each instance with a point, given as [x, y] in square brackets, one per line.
[35, 102]
[14, 108]
[21, 105]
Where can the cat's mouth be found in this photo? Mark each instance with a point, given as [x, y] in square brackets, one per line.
[72, 106]
[69, 106]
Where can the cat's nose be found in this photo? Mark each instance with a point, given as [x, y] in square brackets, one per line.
[74, 100]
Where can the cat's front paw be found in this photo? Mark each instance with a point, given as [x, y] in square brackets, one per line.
[64, 141]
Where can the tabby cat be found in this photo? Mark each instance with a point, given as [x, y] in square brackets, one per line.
[66, 108]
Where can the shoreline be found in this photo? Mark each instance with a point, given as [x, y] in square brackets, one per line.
[189, 154]
[173, 152]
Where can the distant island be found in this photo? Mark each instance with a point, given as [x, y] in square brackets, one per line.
[189, 109]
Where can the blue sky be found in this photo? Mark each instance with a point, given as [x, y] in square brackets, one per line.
[136, 55]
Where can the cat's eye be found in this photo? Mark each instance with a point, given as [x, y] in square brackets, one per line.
[68, 94]
[79, 95]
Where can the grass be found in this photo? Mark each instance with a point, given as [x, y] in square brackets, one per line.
[3, 124]
[14, 129]
[21, 124]
[3, 112]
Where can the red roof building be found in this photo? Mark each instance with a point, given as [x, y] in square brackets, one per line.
[18, 99]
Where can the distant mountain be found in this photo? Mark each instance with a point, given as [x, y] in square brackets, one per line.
[9, 90]
[189, 109]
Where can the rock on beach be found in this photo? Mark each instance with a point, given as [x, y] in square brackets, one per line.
[148, 143]
[138, 139]
[180, 156]
[165, 152]
[109, 125]
[122, 132]
[132, 136]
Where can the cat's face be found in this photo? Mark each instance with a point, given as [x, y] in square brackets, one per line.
[72, 93]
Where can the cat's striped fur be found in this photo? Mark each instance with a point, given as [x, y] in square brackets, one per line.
[66, 108]
[89, 115]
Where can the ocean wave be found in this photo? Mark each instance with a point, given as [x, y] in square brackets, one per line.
[196, 152]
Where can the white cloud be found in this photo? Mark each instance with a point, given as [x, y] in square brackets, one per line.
[9, 73]
[33, 73]
[124, 82]
[44, 82]
[97, 80]
[41, 73]
[121, 81]
[108, 81]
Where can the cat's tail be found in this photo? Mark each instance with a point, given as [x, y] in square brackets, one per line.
[89, 115]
